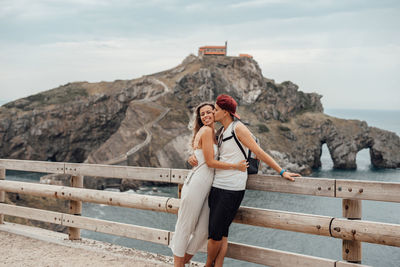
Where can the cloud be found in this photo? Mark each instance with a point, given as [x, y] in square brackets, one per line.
[330, 71]
[50, 65]
[195, 7]
[45, 10]
[257, 3]
[324, 46]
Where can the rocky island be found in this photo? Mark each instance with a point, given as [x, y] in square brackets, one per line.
[146, 121]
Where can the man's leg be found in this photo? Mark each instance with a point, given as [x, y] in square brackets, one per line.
[214, 236]
[219, 260]
[230, 201]
[213, 248]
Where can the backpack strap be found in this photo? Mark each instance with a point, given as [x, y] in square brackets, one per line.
[219, 131]
[237, 140]
[226, 139]
[219, 134]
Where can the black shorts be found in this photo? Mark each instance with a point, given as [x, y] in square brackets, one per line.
[223, 207]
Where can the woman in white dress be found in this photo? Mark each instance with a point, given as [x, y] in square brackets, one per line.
[190, 232]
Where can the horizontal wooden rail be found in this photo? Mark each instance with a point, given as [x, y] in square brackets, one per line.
[126, 200]
[283, 220]
[304, 186]
[111, 171]
[237, 251]
[372, 232]
[347, 189]
[368, 190]
[120, 229]
[366, 231]
[126, 172]
[273, 257]
[363, 231]
[32, 165]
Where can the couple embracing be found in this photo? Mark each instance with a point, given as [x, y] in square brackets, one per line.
[213, 191]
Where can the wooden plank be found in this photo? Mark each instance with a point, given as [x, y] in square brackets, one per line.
[349, 264]
[272, 257]
[290, 221]
[373, 232]
[114, 171]
[351, 249]
[149, 174]
[178, 176]
[180, 186]
[351, 209]
[2, 192]
[349, 189]
[126, 200]
[305, 186]
[75, 208]
[173, 205]
[368, 190]
[100, 170]
[120, 229]
[314, 224]
[366, 231]
[32, 166]
[33, 214]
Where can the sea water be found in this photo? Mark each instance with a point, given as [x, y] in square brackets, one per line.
[313, 245]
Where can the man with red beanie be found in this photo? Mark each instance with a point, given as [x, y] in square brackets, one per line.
[228, 187]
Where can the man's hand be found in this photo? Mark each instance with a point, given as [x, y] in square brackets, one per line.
[193, 161]
[290, 175]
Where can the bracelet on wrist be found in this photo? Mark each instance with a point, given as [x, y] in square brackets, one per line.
[282, 171]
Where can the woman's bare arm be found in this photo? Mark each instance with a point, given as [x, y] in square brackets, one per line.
[207, 141]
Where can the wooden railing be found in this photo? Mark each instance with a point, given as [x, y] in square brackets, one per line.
[352, 230]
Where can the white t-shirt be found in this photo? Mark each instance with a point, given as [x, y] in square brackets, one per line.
[230, 152]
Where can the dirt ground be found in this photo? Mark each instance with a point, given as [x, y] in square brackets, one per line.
[27, 246]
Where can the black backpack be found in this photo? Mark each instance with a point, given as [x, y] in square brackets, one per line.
[254, 163]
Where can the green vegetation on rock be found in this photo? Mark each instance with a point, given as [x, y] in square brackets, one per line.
[64, 94]
[284, 128]
[262, 128]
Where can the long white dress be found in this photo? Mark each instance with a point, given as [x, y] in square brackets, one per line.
[191, 229]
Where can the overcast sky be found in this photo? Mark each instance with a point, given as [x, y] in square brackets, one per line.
[346, 50]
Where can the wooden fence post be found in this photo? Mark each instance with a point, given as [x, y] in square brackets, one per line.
[2, 193]
[75, 208]
[180, 190]
[351, 249]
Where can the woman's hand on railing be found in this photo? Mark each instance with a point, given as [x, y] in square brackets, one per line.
[290, 176]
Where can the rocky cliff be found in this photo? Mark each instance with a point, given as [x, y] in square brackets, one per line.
[145, 121]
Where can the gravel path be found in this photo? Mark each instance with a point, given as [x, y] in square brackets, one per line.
[28, 246]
